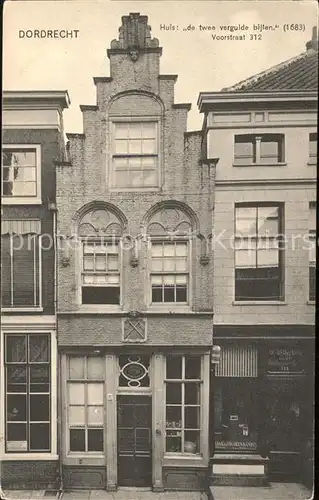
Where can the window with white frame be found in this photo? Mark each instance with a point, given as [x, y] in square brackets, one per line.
[20, 172]
[85, 393]
[313, 146]
[169, 272]
[183, 404]
[135, 155]
[258, 252]
[312, 252]
[100, 273]
[28, 389]
[258, 149]
[21, 264]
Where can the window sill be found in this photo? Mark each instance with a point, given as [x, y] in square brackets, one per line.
[28, 456]
[279, 164]
[98, 308]
[169, 309]
[21, 309]
[20, 201]
[259, 303]
[312, 163]
[114, 189]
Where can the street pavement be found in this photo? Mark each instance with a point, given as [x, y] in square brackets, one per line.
[275, 491]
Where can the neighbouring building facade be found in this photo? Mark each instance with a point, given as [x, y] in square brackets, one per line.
[262, 133]
[135, 301]
[32, 138]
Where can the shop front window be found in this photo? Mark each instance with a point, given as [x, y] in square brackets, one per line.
[236, 417]
[183, 404]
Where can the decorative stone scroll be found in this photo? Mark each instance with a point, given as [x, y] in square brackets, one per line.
[100, 222]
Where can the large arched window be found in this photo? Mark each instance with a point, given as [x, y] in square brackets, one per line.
[170, 228]
[99, 230]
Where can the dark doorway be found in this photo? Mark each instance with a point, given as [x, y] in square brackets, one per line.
[134, 425]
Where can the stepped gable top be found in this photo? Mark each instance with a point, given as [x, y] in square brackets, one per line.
[134, 35]
[299, 73]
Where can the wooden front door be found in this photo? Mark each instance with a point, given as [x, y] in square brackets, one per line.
[134, 425]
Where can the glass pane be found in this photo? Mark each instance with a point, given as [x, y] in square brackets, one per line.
[88, 279]
[157, 250]
[15, 348]
[148, 129]
[95, 368]
[192, 393]
[16, 378]
[24, 158]
[95, 439]
[25, 174]
[121, 147]
[246, 218]
[149, 146]
[38, 348]
[39, 437]
[245, 258]
[76, 416]
[169, 280]
[112, 262]
[100, 262]
[181, 264]
[173, 393]
[88, 249]
[16, 432]
[181, 280]
[100, 249]
[181, 294]
[268, 258]
[39, 378]
[88, 263]
[169, 293]
[135, 147]
[135, 130]
[24, 188]
[192, 417]
[95, 394]
[17, 407]
[192, 367]
[174, 367]
[121, 130]
[77, 439]
[192, 443]
[169, 265]
[181, 249]
[95, 415]
[268, 221]
[157, 265]
[76, 394]
[169, 250]
[113, 279]
[76, 367]
[157, 280]
[174, 417]
[173, 443]
[243, 147]
[39, 408]
[157, 294]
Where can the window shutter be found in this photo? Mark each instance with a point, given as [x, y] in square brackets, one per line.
[5, 271]
[237, 362]
[25, 263]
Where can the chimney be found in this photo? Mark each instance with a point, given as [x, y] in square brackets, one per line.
[312, 45]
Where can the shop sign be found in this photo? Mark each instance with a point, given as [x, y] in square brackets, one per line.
[285, 360]
[236, 445]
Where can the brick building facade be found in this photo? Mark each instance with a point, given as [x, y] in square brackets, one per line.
[134, 271]
[32, 139]
[263, 134]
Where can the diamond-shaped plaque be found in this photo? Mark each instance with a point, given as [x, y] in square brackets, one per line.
[134, 329]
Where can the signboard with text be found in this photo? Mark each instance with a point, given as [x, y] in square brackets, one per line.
[285, 361]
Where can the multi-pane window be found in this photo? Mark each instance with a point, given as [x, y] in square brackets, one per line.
[252, 149]
[258, 253]
[85, 392]
[20, 172]
[135, 154]
[183, 403]
[313, 145]
[100, 273]
[20, 269]
[169, 272]
[312, 252]
[28, 383]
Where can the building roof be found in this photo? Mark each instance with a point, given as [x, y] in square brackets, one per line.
[297, 74]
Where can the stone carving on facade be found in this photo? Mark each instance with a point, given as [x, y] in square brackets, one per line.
[100, 222]
[134, 34]
[171, 221]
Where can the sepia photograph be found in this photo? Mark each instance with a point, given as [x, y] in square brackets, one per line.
[158, 250]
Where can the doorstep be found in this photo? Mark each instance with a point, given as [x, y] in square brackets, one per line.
[274, 491]
[239, 469]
